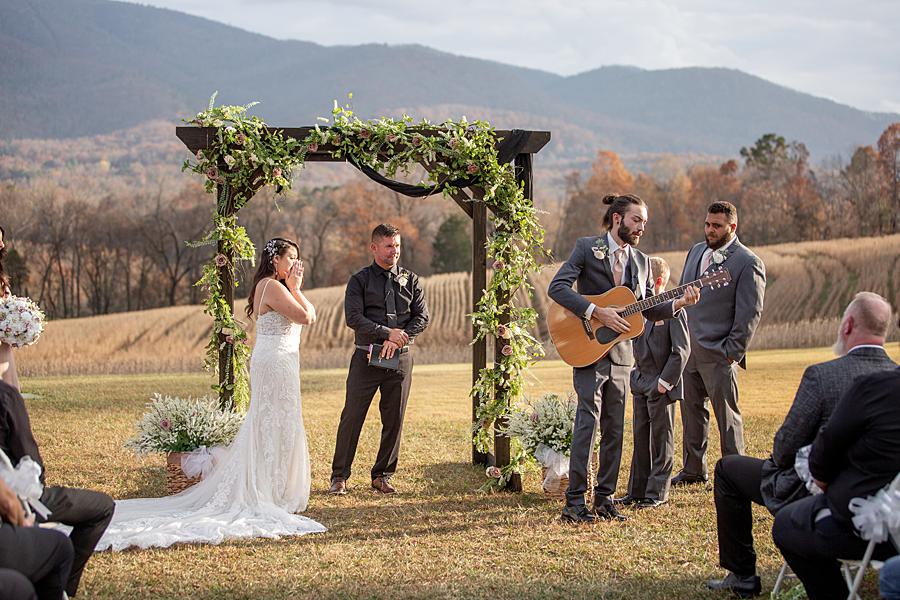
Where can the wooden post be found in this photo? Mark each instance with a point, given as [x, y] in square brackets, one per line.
[226, 281]
[479, 283]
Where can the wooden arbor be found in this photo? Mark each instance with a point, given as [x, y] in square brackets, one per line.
[531, 142]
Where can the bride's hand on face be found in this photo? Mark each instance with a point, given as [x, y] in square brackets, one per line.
[295, 275]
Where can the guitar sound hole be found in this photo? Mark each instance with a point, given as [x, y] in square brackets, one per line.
[605, 335]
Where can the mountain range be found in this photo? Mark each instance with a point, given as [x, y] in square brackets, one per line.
[75, 68]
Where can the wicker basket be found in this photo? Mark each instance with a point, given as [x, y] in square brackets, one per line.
[176, 480]
[558, 492]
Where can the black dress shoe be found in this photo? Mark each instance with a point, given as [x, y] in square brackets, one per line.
[648, 503]
[743, 587]
[685, 479]
[607, 511]
[626, 500]
[577, 514]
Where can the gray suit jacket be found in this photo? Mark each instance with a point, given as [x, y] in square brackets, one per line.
[661, 352]
[594, 276]
[820, 388]
[724, 319]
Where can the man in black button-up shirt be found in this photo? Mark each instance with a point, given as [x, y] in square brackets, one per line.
[384, 304]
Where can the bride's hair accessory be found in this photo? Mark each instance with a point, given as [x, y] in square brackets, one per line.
[271, 247]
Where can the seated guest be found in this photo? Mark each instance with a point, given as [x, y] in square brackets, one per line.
[890, 579]
[740, 480]
[34, 562]
[87, 512]
[855, 455]
[660, 354]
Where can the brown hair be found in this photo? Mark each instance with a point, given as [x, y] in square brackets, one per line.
[619, 204]
[724, 208]
[274, 247]
[384, 230]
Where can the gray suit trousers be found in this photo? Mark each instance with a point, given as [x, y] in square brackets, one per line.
[601, 389]
[654, 447]
[708, 376]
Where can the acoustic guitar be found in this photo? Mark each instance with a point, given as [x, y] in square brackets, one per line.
[580, 344]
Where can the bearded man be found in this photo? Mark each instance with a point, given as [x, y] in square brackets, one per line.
[597, 265]
[721, 327]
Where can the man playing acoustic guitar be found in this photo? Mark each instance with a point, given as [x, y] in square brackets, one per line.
[599, 264]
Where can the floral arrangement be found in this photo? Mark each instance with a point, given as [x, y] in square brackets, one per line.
[21, 321]
[547, 421]
[244, 155]
[174, 424]
[544, 430]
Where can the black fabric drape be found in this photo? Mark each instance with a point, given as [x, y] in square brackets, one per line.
[507, 149]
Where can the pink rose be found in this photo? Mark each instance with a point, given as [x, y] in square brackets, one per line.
[229, 339]
[507, 350]
[417, 140]
[212, 173]
[493, 472]
[503, 331]
[336, 140]
[313, 147]
[472, 168]
[365, 134]
[200, 155]
[392, 138]
[165, 425]
[454, 143]
[498, 264]
[534, 417]
[241, 139]
[276, 172]
[221, 260]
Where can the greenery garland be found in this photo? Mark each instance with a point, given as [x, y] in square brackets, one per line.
[244, 156]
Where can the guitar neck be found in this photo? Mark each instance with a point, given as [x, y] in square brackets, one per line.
[642, 305]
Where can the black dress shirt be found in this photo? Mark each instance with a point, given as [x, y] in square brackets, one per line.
[364, 304]
[16, 439]
[858, 451]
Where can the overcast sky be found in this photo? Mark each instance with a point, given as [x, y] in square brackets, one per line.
[845, 51]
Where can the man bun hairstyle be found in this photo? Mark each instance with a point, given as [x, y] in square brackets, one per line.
[724, 208]
[619, 204]
[384, 230]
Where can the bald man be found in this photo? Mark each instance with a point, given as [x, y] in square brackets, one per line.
[741, 480]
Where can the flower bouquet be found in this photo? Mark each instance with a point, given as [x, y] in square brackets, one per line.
[21, 321]
[188, 430]
[544, 428]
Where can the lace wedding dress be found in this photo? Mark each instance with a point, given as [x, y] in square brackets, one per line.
[261, 480]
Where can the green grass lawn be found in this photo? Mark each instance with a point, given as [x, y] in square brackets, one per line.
[439, 537]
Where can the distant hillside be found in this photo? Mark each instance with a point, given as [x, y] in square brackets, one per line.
[86, 67]
[809, 284]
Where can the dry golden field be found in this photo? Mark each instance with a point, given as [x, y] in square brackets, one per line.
[438, 538]
[808, 286]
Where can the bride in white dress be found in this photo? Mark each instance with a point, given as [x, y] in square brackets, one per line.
[263, 477]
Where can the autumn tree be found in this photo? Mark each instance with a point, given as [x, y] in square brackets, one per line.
[583, 211]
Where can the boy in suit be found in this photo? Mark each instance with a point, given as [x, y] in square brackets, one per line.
[660, 355]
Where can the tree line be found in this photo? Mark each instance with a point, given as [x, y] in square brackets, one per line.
[78, 255]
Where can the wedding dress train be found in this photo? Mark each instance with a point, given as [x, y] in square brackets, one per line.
[261, 480]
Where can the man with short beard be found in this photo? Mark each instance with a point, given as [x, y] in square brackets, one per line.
[743, 480]
[721, 326]
[598, 264]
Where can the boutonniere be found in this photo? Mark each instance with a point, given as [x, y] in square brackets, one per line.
[600, 249]
[719, 256]
[403, 278]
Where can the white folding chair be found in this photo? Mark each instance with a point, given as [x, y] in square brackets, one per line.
[855, 570]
